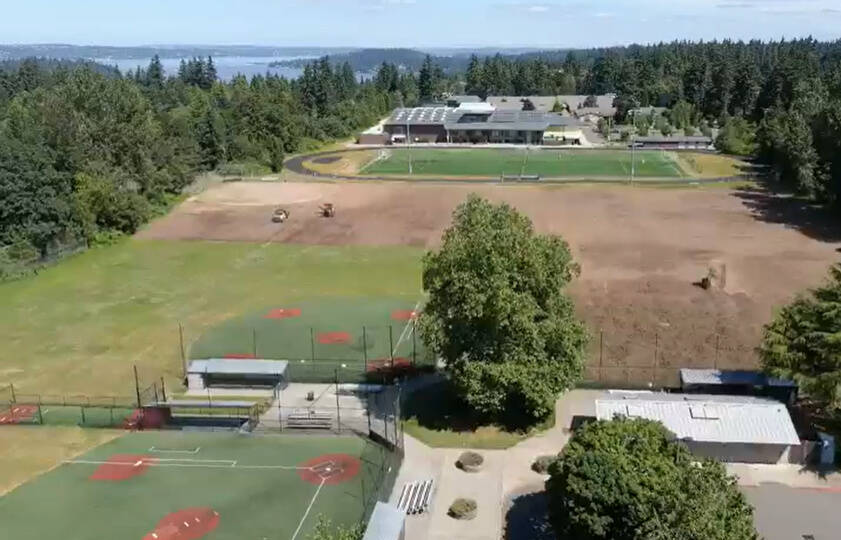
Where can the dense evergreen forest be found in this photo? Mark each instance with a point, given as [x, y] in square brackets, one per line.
[88, 153]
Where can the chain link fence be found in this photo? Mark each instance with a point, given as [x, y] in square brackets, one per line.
[654, 361]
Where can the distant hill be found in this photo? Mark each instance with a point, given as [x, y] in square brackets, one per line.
[366, 60]
[62, 51]
[50, 64]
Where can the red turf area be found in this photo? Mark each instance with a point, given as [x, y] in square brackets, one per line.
[121, 467]
[146, 418]
[404, 315]
[333, 338]
[283, 313]
[17, 414]
[187, 524]
[331, 469]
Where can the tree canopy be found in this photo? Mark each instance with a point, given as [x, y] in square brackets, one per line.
[803, 342]
[627, 479]
[497, 313]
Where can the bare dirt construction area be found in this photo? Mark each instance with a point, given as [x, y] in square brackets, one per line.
[640, 249]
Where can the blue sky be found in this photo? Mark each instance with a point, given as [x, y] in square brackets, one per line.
[414, 23]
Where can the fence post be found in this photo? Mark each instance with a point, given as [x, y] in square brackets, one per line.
[40, 413]
[82, 409]
[137, 387]
[183, 352]
[365, 346]
[338, 412]
[312, 344]
[391, 346]
[12, 390]
[163, 389]
[715, 361]
[601, 354]
[414, 342]
[254, 342]
[656, 349]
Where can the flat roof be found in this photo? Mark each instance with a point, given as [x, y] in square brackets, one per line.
[706, 418]
[386, 523]
[231, 366]
[731, 377]
[674, 139]
[206, 404]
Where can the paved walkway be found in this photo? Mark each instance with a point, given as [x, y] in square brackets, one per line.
[505, 473]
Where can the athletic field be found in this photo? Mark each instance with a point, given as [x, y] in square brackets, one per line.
[219, 486]
[514, 162]
[319, 336]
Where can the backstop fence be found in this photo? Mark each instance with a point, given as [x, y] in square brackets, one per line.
[318, 354]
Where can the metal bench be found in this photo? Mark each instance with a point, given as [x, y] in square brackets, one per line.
[416, 496]
[309, 420]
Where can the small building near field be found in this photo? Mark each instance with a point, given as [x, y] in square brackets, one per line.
[737, 382]
[727, 428]
[235, 373]
[479, 123]
[386, 523]
[674, 142]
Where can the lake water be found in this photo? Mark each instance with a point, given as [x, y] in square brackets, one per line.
[226, 66]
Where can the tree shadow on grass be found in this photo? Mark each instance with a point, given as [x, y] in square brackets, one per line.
[767, 204]
[527, 518]
[437, 407]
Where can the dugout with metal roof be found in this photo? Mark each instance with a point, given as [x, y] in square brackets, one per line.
[728, 428]
[236, 373]
[737, 382]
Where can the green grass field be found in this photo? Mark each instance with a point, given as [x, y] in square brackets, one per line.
[544, 163]
[253, 484]
[78, 327]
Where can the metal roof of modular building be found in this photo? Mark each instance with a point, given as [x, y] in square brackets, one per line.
[228, 366]
[674, 139]
[386, 523]
[718, 419]
[731, 377]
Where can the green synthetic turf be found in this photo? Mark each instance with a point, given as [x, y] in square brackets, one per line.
[252, 503]
[371, 329]
[512, 162]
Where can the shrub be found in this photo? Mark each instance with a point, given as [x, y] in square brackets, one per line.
[463, 509]
[470, 461]
[542, 463]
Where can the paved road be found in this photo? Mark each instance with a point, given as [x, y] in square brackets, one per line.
[785, 513]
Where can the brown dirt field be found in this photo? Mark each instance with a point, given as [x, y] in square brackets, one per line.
[640, 250]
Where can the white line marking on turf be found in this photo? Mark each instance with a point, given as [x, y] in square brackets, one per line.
[212, 465]
[165, 451]
[303, 519]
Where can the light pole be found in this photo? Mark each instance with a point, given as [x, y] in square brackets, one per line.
[633, 144]
[409, 142]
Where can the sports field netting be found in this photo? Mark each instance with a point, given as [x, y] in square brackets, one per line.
[322, 338]
[168, 486]
[495, 163]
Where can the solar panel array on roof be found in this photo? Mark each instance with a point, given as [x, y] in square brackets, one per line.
[420, 115]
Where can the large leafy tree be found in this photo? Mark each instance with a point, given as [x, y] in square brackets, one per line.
[803, 342]
[626, 479]
[497, 313]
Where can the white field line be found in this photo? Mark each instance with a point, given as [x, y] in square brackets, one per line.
[312, 502]
[164, 451]
[409, 325]
[198, 464]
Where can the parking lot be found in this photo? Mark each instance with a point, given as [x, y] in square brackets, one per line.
[785, 513]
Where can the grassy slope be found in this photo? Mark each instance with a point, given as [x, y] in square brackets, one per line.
[545, 163]
[79, 326]
[32, 450]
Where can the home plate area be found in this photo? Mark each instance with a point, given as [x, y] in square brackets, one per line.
[202, 486]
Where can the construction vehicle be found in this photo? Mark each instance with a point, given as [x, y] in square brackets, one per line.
[280, 215]
[327, 210]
